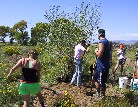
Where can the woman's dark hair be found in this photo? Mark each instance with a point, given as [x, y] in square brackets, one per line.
[34, 53]
[83, 42]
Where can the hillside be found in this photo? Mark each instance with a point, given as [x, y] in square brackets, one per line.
[130, 42]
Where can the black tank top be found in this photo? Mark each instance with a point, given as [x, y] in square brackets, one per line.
[29, 74]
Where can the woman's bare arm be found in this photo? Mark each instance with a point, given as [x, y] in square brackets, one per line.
[18, 64]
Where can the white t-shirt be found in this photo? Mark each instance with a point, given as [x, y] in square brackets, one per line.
[79, 50]
[120, 54]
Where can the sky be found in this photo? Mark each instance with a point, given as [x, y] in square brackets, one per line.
[119, 17]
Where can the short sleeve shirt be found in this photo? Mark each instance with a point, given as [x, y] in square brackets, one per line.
[79, 50]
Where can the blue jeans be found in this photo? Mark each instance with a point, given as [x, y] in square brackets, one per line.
[77, 74]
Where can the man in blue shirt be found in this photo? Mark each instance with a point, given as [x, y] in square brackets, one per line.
[102, 64]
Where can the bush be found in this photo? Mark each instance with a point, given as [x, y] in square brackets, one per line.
[64, 101]
[10, 50]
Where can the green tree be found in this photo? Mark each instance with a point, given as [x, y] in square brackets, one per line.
[87, 17]
[39, 33]
[11, 35]
[66, 30]
[136, 44]
[3, 33]
[21, 35]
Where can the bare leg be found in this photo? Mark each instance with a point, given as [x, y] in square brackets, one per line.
[26, 99]
[116, 67]
[97, 87]
[121, 70]
[113, 72]
[40, 98]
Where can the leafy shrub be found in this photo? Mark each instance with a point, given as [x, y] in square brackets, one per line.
[10, 50]
[64, 101]
[8, 92]
[113, 102]
[38, 49]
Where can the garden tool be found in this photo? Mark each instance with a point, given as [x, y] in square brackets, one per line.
[54, 91]
[92, 69]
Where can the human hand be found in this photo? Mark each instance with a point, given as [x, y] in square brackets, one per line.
[8, 77]
[88, 45]
[87, 50]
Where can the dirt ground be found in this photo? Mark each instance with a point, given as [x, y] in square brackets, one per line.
[83, 96]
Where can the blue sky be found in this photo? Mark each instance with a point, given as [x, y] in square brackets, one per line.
[119, 17]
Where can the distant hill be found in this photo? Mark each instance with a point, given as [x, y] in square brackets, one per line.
[126, 42]
[130, 42]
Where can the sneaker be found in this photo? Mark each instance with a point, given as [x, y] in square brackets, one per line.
[102, 98]
[72, 84]
[80, 85]
[96, 94]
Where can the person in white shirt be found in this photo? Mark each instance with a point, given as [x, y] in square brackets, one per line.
[78, 57]
[120, 59]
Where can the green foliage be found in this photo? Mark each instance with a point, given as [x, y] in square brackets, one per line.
[20, 34]
[64, 31]
[113, 102]
[8, 87]
[3, 33]
[11, 34]
[136, 44]
[10, 50]
[39, 33]
[7, 92]
[87, 17]
[65, 100]
[52, 67]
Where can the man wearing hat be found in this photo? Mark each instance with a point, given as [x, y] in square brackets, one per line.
[103, 63]
[78, 57]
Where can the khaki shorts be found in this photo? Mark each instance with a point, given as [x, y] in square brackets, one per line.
[26, 88]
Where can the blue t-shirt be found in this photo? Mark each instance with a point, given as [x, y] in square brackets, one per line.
[103, 63]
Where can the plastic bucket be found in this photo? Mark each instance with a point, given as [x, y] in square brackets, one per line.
[134, 84]
[136, 80]
[123, 82]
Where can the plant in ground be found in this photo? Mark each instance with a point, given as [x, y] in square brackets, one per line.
[64, 100]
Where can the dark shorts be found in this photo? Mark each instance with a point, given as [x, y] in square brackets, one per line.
[121, 61]
[101, 77]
